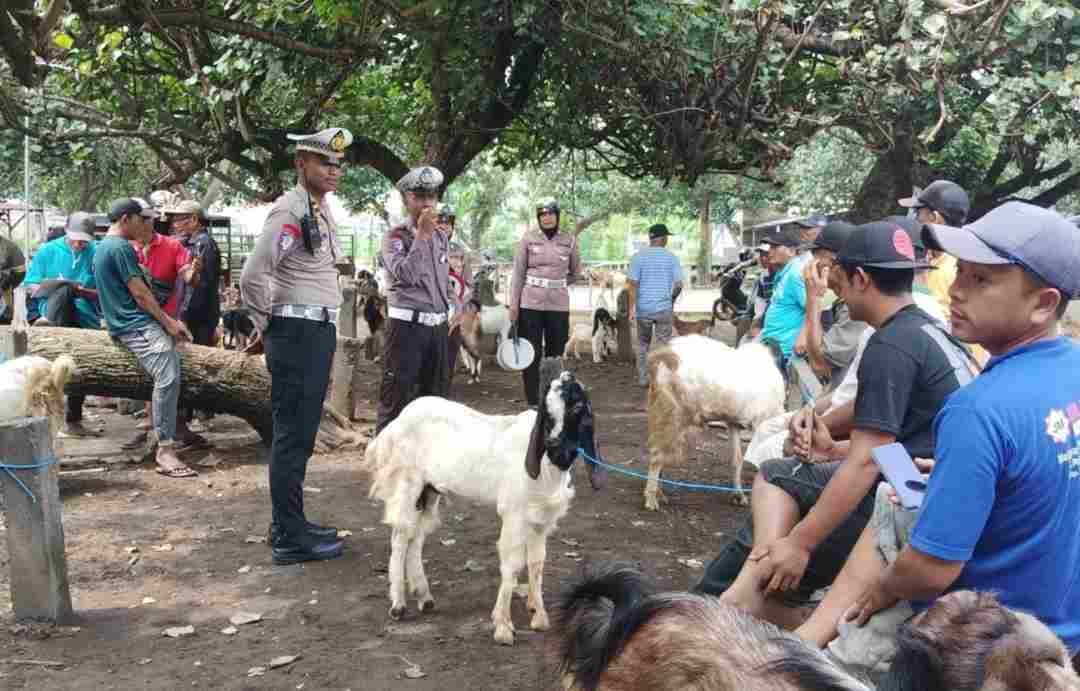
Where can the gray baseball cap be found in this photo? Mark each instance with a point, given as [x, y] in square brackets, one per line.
[80, 226]
[1040, 240]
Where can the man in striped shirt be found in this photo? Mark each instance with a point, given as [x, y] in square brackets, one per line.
[656, 279]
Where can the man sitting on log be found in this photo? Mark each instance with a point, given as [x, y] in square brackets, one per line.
[137, 322]
[71, 304]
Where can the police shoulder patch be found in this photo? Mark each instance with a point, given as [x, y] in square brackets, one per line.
[285, 241]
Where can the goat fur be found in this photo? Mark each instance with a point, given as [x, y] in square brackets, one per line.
[484, 321]
[695, 380]
[701, 327]
[33, 386]
[619, 634]
[436, 446]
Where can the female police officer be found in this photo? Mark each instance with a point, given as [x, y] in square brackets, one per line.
[545, 264]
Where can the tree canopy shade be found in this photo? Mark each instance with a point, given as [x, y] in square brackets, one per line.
[665, 89]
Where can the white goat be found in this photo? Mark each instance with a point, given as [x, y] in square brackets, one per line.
[695, 380]
[31, 385]
[437, 446]
[602, 337]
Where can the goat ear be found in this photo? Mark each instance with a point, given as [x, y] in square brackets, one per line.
[914, 668]
[535, 452]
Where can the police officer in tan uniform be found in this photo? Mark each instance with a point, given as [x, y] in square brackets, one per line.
[545, 264]
[290, 284]
[416, 255]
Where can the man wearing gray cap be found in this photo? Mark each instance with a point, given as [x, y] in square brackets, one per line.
[416, 255]
[290, 284]
[72, 303]
[1001, 509]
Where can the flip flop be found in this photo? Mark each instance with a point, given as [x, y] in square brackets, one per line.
[178, 471]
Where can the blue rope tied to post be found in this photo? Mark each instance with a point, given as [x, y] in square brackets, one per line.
[674, 483]
[10, 467]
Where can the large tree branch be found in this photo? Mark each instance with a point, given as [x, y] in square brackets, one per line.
[220, 25]
[1063, 188]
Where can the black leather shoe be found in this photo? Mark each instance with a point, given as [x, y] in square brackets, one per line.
[319, 532]
[285, 552]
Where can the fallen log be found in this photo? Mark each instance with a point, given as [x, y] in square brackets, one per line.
[212, 379]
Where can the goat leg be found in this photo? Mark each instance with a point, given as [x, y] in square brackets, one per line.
[536, 553]
[418, 582]
[399, 547]
[739, 498]
[511, 559]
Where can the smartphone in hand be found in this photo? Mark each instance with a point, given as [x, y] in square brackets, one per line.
[898, 468]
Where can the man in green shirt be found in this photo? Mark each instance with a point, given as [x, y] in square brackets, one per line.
[137, 322]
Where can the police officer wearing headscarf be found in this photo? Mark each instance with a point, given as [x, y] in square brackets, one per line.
[545, 264]
[290, 284]
[416, 255]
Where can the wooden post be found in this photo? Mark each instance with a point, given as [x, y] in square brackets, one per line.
[35, 532]
[346, 323]
[13, 343]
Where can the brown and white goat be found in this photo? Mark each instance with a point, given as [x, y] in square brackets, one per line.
[33, 386]
[519, 464]
[695, 380]
[686, 327]
[619, 634]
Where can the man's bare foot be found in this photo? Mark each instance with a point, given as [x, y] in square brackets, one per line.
[169, 465]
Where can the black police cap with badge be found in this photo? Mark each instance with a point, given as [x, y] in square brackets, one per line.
[331, 144]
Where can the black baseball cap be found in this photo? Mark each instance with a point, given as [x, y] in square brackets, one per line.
[943, 196]
[658, 230]
[782, 238]
[1042, 241]
[129, 206]
[915, 230]
[813, 221]
[881, 245]
[833, 237]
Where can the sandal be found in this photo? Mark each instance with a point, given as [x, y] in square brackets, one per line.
[136, 442]
[176, 471]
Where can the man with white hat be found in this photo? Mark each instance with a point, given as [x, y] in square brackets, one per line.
[290, 284]
[417, 259]
[73, 304]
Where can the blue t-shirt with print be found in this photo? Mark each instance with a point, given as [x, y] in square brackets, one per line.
[115, 263]
[56, 260]
[1004, 495]
[656, 271]
[787, 307]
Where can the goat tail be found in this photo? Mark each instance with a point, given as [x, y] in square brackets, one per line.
[374, 465]
[597, 615]
[61, 371]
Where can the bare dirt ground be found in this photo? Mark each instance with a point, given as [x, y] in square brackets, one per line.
[146, 553]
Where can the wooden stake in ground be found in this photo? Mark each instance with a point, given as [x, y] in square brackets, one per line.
[35, 532]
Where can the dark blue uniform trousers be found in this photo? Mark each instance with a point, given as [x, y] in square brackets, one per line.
[298, 354]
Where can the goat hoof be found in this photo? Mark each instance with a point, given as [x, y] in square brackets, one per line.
[651, 504]
[399, 612]
[740, 499]
[504, 634]
[427, 605]
[540, 621]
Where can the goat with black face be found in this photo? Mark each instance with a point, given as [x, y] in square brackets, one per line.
[438, 446]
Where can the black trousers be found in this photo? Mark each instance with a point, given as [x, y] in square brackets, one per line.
[202, 333]
[548, 332]
[805, 484]
[453, 347]
[60, 311]
[299, 353]
[416, 364]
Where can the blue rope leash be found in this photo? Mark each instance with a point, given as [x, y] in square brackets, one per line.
[10, 467]
[673, 483]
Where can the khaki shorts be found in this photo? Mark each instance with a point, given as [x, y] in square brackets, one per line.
[870, 649]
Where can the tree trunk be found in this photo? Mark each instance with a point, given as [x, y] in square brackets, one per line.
[891, 178]
[223, 381]
[705, 251]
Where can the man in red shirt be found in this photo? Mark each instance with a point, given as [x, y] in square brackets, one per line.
[171, 270]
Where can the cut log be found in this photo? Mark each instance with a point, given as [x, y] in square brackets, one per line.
[212, 379]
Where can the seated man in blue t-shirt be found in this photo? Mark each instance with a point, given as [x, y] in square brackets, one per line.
[787, 306]
[1002, 506]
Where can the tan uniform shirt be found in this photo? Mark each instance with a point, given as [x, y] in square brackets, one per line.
[539, 257]
[281, 271]
[419, 270]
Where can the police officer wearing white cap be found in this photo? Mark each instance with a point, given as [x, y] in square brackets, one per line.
[416, 255]
[290, 284]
